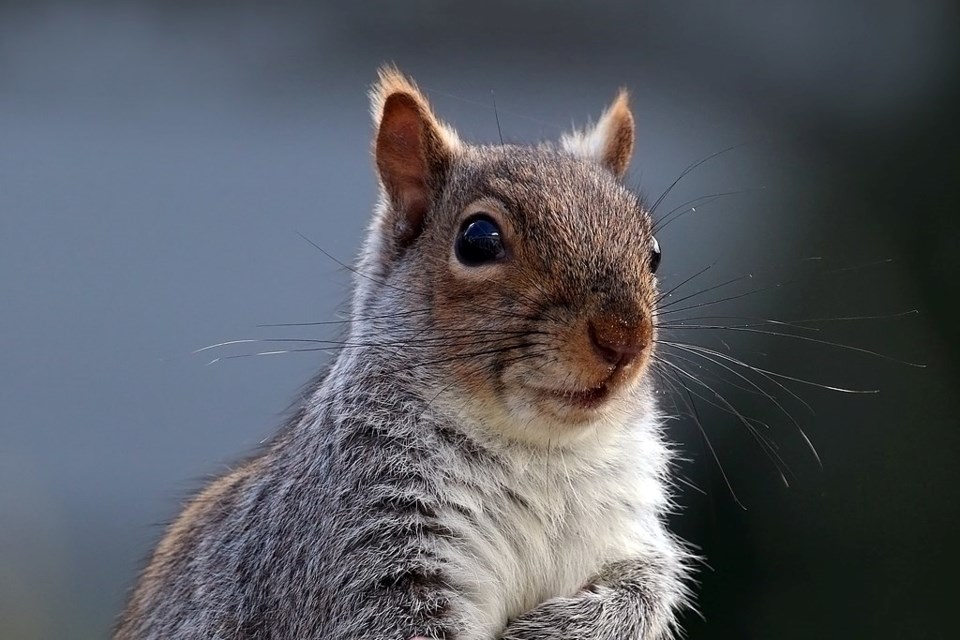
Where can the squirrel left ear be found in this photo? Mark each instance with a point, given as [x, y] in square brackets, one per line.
[413, 151]
[610, 141]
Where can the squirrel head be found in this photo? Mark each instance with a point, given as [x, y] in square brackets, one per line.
[511, 284]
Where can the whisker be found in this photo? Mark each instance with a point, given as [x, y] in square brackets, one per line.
[388, 316]
[706, 371]
[697, 274]
[769, 396]
[666, 220]
[335, 348]
[457, 357]
[493, 96]
[765, 445]
[889, 316]
[684, 481]
[682, 323]
[432, 341]
[840, 270]
[695, 415]
[689, 169]
[700, 350]
[838, 345]
[222, 344]
[779, 375]
[660, 309]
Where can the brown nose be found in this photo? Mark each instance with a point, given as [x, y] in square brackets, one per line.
[617, 341]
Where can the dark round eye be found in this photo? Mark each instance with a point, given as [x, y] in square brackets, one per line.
[479, 241]
[654, 255]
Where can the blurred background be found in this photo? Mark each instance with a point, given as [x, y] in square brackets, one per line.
[158, 160]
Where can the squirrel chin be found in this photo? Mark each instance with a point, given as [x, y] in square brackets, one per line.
[547, 418]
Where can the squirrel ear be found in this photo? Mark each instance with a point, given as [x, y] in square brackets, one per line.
[610, 141]
[413, 151]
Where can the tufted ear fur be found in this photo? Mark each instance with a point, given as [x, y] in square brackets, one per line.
[610, 141]
[413, 152]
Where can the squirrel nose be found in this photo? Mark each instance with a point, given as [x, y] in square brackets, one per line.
[617, 341]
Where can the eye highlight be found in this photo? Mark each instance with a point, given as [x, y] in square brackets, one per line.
[479, 241]
[654, 255]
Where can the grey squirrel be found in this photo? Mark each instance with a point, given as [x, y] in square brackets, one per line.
[485, 460]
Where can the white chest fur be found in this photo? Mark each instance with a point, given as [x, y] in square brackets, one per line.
[547, 523]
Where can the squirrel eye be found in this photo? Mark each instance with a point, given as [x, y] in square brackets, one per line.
[479, 241]
[654, 255]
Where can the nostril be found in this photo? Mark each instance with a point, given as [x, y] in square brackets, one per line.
[615, 344]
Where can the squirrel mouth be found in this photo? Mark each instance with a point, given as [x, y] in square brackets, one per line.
[579, 398]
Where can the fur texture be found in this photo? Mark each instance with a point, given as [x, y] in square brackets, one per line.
[452, 475]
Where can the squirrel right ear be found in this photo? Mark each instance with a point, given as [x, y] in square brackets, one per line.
[610, 141]
[413, 152]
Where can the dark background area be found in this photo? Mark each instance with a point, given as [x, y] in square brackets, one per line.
[157, 161]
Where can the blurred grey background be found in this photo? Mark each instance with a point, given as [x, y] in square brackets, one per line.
[158, 159]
